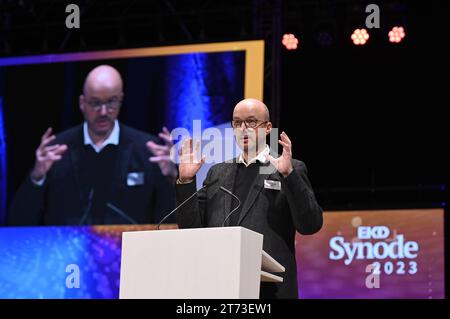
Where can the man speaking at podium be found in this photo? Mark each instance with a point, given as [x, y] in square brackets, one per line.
[275, 203]
[98, 172]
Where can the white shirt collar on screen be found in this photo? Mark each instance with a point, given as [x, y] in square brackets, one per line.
[113, 138]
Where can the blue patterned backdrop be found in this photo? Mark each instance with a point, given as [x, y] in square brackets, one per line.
[3, 172]
[199, 88]
[34, 262]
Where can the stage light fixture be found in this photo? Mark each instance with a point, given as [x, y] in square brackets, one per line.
[290, 41]
[396, 34]
[360, 36]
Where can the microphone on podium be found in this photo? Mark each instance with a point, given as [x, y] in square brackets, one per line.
[185, 201]
[87, 211]
[236, 208]
[121, 213]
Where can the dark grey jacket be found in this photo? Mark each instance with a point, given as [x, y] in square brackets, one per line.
[275, 214]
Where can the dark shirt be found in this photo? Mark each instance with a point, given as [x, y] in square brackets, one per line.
[97, 175]
[243, 181]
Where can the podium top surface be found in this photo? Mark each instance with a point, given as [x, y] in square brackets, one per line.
[206, 230]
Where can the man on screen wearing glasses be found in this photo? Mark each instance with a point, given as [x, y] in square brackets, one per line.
[99, 172]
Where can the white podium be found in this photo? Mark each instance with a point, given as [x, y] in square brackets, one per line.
[206, 263]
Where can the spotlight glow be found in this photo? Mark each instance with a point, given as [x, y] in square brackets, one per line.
[360, 36]
[396, 34]
[290, 41]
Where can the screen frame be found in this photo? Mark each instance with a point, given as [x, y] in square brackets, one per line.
[254, 58]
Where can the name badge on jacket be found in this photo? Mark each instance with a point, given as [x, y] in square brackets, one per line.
[275, 185]
[135, 179]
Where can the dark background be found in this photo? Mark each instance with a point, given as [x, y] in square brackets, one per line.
[370, 122]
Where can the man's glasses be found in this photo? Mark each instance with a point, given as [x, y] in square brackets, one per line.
[249, 123]
[111, 105]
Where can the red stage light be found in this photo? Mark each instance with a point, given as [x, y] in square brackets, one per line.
[290, 41]
[360, 36]
[397, 34]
